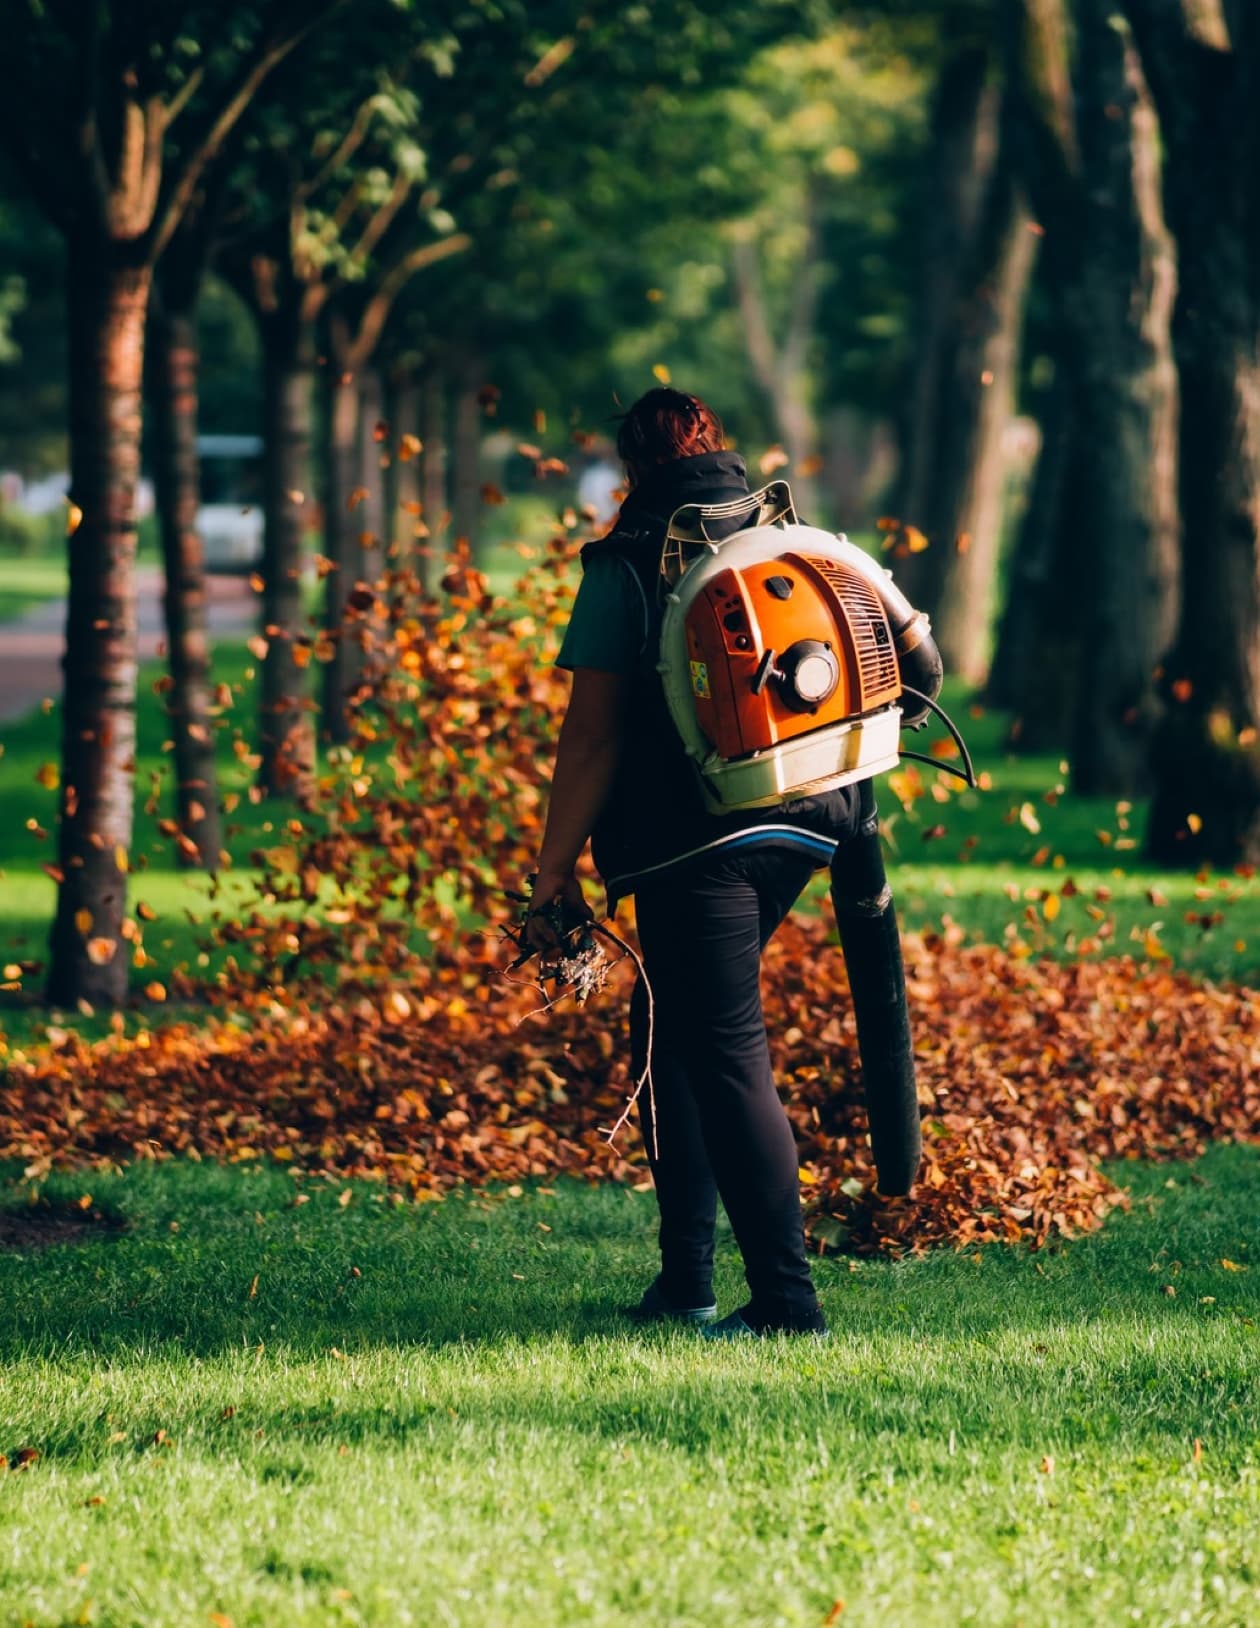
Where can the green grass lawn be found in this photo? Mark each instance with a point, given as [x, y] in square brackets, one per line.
[25, 583]
[255, 1411]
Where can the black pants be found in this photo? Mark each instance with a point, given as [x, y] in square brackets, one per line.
[720, 1126]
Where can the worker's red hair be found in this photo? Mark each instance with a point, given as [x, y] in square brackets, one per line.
[664, 425]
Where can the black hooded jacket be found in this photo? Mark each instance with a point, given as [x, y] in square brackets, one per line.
[655, 815]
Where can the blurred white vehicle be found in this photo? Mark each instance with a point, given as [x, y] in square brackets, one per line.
[596, 488]
[51, 494]
[230, 519]
[40, 497]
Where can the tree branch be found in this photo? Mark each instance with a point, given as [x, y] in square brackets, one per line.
[343, 214]
[349, 144]
[381, 220]
[185, 93]
[236, 98]
[377, 310]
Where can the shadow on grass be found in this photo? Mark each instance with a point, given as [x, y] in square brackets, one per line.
[203, 1259]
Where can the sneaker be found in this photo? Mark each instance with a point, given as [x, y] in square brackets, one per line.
[654, 1308]
[734, 1327]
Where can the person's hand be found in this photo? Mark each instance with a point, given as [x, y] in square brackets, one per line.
[549, 886]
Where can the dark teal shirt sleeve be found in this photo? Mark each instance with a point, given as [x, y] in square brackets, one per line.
[608, 627]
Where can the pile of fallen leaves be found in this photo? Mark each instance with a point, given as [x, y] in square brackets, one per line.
[1029, 1073]
[354, 1025]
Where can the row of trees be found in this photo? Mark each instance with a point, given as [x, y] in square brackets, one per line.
[828, 217]
[321, 156]
[1091, 178]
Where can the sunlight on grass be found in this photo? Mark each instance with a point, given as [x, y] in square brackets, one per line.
[25, 583]
[370, 1413]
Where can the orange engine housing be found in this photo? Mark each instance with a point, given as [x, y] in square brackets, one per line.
[747, 621]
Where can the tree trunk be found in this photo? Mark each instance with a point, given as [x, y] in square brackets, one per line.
[962, 399]
[1206, 761]
[961, 155]
[780, 365]
[1122, 302]
[108, 300]
[341, 549]
[434, 503]
[968, 536]
[407, 503]
[1054, 561]
[1016, 674]
[172, 373]
[370, 537]
[285, 731]
[860, 460]
[466, 457]
[370, 561]
[400, 415]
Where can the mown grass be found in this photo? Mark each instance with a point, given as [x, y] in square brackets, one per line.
[366, 1413]
[27, 582]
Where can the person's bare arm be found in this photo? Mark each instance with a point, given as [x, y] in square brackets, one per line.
[586, 761]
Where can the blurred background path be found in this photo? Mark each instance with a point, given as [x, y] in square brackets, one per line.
[31, 647]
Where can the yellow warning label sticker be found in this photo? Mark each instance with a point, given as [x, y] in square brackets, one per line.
[700, 679]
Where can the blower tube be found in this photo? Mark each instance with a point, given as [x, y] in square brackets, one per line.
[867, 922]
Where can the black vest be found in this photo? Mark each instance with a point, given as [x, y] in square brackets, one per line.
[655, 812]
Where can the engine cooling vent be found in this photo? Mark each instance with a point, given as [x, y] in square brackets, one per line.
[868, 623]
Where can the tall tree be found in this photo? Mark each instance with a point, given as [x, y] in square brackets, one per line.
[976, 258]
[113, 119]
[1202, 61]
[309, 208]
[1089, 156]
[172, 368]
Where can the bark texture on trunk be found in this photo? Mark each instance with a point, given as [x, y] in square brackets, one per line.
[108, 301]
[285, 734]
[1018, 675]
[370, 536]
[1043, 627]
[354, 527]
[400, 415]
[960, 566]
[408, 471]
[1205, 755]
[370, 560]
[962, 397]
[1122, 301]
[962, 151]
[172, 374]
[434, 501]
[1104, 590]
[466, 457]
[342, 522]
